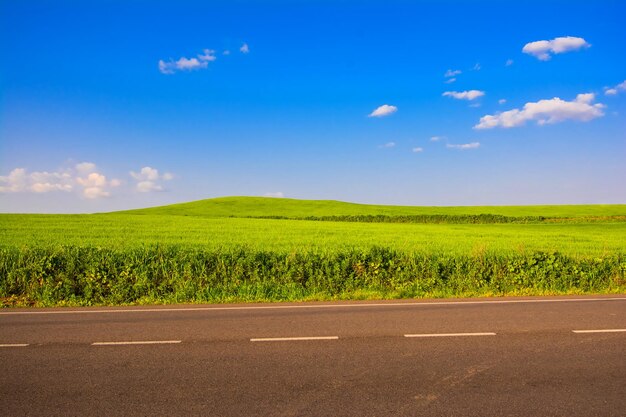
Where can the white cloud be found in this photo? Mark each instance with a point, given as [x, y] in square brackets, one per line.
[190, 64]
[384, 110]
[477, 67]
[208, 55]
[148, 186]
[43, 182]
[166, 67]
[508, 62]
[277, 194]
[244, 48]
[464, 146]
[464, 95]
[542, 49]
[615, 90]
[546, 112]
[14, 182]
[85, 167]
[437, 138]
[183, 64]
[95, 192]
[201, 61]
[452, 73]
[388, 145]
[44, 187]
[417, 150]
[95, 185]
[92, 180]
[450, 80]
[226, 52]
[586, 98]
[146, 173]
[148, 179]
[83, 178]
[502, 101]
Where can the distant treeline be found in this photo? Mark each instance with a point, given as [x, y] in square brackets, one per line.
[422, 218]
[447, 219]
[71, 275]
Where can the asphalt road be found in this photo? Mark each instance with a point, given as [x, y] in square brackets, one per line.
[503, 357]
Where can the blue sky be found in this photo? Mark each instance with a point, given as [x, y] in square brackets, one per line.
[90, 122]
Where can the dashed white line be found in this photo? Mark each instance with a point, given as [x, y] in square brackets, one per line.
[13, 344]
[314, 306]
[138, 342]
[600, 331]
[287, 339]
[450, 334]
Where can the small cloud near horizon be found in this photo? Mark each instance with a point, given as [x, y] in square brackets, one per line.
[148, 179]
[83, 178]
[277, 194]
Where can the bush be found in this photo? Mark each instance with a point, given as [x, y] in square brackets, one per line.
[71, 275]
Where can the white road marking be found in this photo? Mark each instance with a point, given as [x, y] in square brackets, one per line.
[287, 339]
[450, 334]
[13, 344]
[600, 331]
[313, 306]
[140, 342]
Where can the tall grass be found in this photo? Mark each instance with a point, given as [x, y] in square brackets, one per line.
[70, 275]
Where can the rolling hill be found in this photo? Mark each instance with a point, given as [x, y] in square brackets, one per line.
[264, 207]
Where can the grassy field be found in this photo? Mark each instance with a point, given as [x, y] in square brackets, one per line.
[262, 249]
[123, 231]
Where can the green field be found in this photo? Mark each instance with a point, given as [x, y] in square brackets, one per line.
[263, 249]
[295, 209]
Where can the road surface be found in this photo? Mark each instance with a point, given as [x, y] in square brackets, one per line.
[560, 356]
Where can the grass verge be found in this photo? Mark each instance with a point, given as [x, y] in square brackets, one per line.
[77, 276]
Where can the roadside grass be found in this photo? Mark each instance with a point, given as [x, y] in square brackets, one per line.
[71, 275]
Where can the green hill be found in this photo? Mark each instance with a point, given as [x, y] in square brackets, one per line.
[264, 207]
